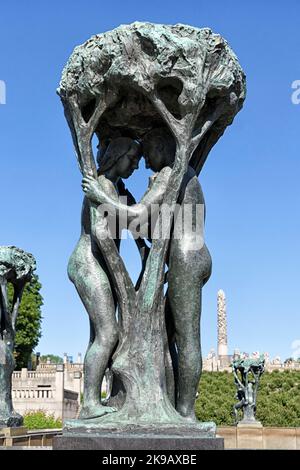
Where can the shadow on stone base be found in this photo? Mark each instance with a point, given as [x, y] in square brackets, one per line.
[129, 441]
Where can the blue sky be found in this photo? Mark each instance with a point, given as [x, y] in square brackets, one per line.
[250, 180]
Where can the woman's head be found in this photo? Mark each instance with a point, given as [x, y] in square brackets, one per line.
[121, 157]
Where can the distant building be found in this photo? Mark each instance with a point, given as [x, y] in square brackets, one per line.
[221, 360]
[54, 388]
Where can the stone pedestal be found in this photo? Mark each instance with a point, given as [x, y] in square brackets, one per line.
[249, 424]
[250, 435]
[12, 432]
[113, 441]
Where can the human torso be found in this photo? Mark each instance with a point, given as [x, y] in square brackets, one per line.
[89, 208]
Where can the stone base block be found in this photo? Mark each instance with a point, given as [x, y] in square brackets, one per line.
[12, 432]
[88, 441]
[249, 424]
[250, 436]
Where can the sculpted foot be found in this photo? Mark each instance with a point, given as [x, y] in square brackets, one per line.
[191, 418]
[95, 411]
[189, 415]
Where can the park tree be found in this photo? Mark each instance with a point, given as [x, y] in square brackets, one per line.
[28, 326]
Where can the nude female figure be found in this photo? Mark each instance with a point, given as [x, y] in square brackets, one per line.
[88, 271]
[189, 268]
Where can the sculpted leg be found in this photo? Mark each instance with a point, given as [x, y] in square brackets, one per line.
[94, 289]
[187, 328]
[171, 355]
[186, 273]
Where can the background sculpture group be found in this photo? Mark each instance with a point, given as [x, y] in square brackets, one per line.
[167, 93]
[16, 267]
[247, 373]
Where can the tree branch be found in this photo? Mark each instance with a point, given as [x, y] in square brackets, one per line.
[4, 306]
[172, 122]
[122, 282]
[82, 133]
[18, 292]
[206, 126]
[99, 110]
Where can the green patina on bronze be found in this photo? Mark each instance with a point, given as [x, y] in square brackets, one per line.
[16, 267]
[174, 89]
[247, 372]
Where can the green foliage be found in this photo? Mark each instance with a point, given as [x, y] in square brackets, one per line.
[29, 320]
[41, 420]
[278, 401]
[54, 359]
[216, 398]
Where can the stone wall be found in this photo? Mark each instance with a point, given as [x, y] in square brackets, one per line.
[54, 390]
[249, 438]
[222, 364]
[260, 437]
